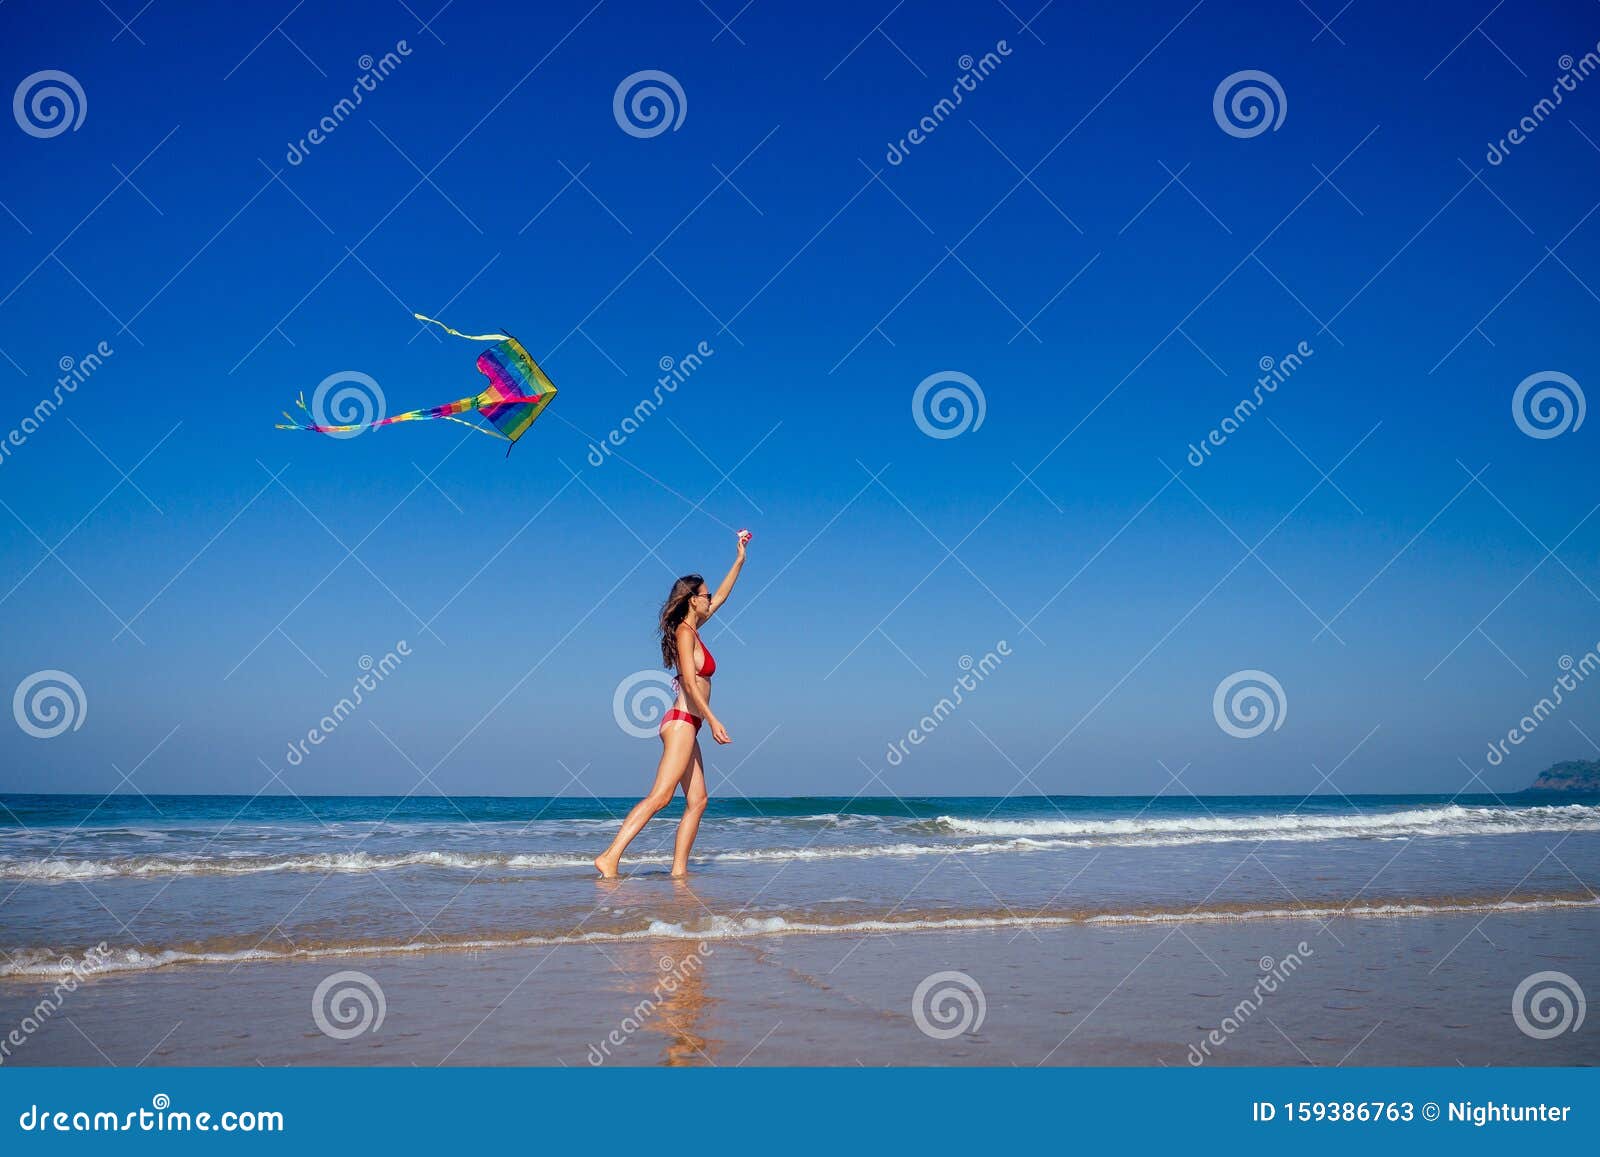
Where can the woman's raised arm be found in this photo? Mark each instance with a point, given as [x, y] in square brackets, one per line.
[726, 586]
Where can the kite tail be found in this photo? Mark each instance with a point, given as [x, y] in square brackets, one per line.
[293, 425]
[458, 333]
[413, 415]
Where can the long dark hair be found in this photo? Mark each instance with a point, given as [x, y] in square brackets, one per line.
[673, 612]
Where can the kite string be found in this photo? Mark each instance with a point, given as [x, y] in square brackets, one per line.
[699, 507]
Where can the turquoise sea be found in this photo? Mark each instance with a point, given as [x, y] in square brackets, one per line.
[171, 880]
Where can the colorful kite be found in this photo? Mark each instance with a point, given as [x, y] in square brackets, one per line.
[518, 393]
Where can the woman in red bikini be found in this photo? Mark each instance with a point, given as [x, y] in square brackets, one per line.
[689, 605]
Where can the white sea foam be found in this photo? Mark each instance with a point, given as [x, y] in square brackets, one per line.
[1450, 820]
[963, 836]
[46, 964]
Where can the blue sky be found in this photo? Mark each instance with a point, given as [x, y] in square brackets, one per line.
[1080, 236]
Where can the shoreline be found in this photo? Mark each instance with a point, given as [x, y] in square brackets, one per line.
[36, 965]
[1368, 989]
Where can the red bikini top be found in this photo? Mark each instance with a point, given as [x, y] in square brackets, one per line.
[710, 667]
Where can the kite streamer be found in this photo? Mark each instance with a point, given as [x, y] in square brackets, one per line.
[518, 393]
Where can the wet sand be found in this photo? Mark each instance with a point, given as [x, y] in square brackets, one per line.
[1433, 990]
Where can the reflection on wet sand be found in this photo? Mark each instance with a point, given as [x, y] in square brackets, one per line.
[669, 981]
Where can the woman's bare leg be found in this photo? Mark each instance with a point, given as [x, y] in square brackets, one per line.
[677, 749]
[694, 806]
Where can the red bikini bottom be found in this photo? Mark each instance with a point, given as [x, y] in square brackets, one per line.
[676, 714]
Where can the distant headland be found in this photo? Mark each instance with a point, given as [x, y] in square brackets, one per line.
[1574, 775]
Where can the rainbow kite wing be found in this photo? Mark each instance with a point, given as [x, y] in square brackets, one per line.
[518, 393]
[518, 389]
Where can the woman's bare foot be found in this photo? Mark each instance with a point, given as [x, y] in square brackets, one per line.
[680, 871]
[606, 867]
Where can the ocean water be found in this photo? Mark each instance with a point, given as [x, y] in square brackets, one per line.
[168, 881]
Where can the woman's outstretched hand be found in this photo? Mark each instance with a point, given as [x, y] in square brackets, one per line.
[719, 732]
[744, 537]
